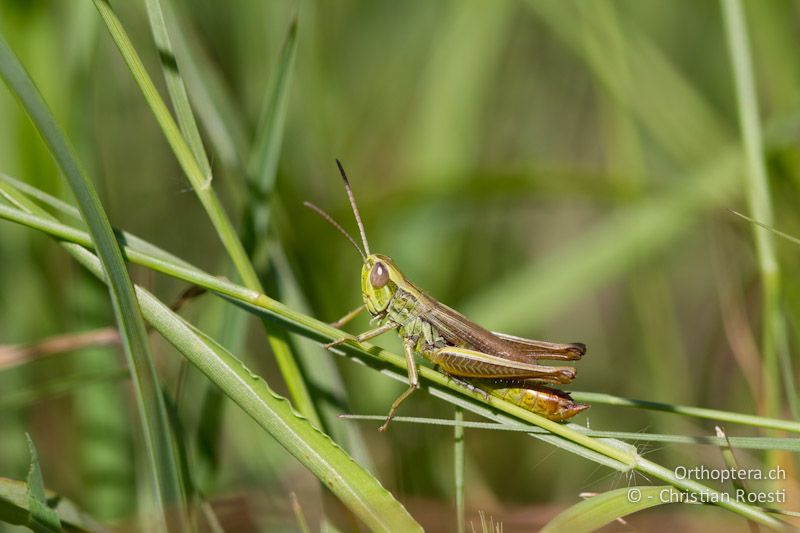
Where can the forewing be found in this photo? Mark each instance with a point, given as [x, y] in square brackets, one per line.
[461, 331]
[543, 349]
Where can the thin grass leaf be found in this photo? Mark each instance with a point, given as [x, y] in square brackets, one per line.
[14, 508]
[777, 232]
[443, 134]
[278, 338]
[182, 151]
[177, 91]
[157, 438]
[697, 412]
[751, 443]
[615, 454]
[216, 108]
[42, 518]
[777, 363]
[319, 370]
[351, 483]
[261, 170]
[322, 332]
[597, 511]
[265, 153]
[302, 524]
[458, 467]
[730, 461]
[357, 489]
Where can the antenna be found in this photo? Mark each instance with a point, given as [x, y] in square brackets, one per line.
[355, 208]
[336, 225]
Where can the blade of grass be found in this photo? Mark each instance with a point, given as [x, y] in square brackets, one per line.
[176, 89]
[42, 518]
[774, 344]
[15, 509]
[443, 136]
[322, 332]
[260, 178]
[697, 412]
[384, 360]
[357, 489]
[730, 461]
[777, 232]
[615, 454]
[302, 525]
[750, 443]
[593, 513]
[163, 467]
[354, 486]
[265, 153]
[458, 467]
[183, 152]
[320, 370]
[208, 198]
[214, 105]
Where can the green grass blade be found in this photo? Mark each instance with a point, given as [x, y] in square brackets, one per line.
[357, 489]
[320, 370]
[697, 412]
[322, 332]
[183, 152]
[777, 232]
[261, 170]
[750, 443]
[42, 518]
[14, 508]
[42, 196]
[685, 125]
[157, 437]
[354, 486]
[202, 186]
[443, 137]
[730, 462]
[774, 345]
[263, 163]
[177, 91]
[614, 454]
[458, 467]
[597, 511]
[215, 107]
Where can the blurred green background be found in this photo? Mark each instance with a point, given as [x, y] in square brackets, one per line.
[556, 170]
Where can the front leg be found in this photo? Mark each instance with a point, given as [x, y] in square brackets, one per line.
[413, 382]
[380, 330]
[348, 317]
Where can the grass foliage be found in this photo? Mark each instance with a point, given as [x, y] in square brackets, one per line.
[559, 170]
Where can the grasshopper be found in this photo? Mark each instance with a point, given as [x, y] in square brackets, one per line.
[480, 360]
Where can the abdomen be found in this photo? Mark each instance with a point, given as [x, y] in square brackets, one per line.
[550, 403]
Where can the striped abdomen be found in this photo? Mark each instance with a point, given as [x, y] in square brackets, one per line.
[550, 403]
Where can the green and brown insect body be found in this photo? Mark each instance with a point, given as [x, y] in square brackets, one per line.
[551, 403]
[502, 365]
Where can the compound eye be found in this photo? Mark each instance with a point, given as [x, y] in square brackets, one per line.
[379, 276]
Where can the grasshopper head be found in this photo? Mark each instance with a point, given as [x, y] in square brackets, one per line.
[379, 276]
[379, 280]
